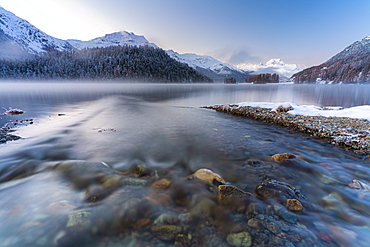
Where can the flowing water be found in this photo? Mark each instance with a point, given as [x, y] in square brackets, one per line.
[81, 174]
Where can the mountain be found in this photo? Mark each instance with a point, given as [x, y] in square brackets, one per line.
[272, 66]
[20, 38]
[352, 65]
[358, 48]
[210, 66]
[114, 39]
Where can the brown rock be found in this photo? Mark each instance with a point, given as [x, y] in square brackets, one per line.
[182, 241]
[160, 185]
[293, 205]
[282, 108]
[233, 198]
[253, 223]
[166, 232]
[209, 177]
[282, 157]
[240, 239]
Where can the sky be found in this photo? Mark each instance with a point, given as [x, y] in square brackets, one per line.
[304, 32]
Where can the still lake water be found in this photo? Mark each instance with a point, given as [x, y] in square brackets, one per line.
[48, 176]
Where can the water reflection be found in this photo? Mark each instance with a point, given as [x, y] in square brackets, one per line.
[117, 168]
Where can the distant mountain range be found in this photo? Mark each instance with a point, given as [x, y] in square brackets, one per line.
[272, 66]
[210, 66]
[20, 39]
[352, 65]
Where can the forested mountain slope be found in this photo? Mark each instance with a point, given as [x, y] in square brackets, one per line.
[352, 65]
[121, 62]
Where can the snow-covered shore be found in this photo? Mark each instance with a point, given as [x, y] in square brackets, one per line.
[361, 112]
[348, 128]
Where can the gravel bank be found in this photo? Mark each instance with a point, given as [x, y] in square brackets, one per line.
[349, 133]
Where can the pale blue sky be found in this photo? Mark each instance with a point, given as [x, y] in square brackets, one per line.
[306, 32]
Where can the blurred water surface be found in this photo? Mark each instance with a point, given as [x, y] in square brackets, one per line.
[85, 134]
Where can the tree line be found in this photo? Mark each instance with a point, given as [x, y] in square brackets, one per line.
[264, 78]
[114, 62]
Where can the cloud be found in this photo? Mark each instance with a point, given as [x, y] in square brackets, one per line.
[242, 56]
[236, 56]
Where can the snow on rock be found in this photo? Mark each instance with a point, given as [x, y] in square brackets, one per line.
[272, 66]
[33, 40]
[361, 112]
[122, 38]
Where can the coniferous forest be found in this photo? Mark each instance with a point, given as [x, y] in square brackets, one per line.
[114, 62]
[264, 78]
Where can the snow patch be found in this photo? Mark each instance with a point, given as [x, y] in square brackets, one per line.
[122, 38]
[360, 112]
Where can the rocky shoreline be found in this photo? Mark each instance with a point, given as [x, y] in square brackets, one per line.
[146, 207]
[349, 133]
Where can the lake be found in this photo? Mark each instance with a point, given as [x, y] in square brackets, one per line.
[84, 170]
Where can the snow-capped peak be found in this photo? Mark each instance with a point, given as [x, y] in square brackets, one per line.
[28, 36]
[275, 62]
[275, 65]
[118, 38]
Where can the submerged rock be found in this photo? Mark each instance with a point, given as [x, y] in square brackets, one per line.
[203, 209]
[241, 239]
[281, 191]
[293, 205]
[282, 157]
[166, 232]
[182, 241]
[139, 170]
[165, 219]
[285, 214]
[79, 220]
[357, 184]
[254, 223]
[233, 198]
[160, 185]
